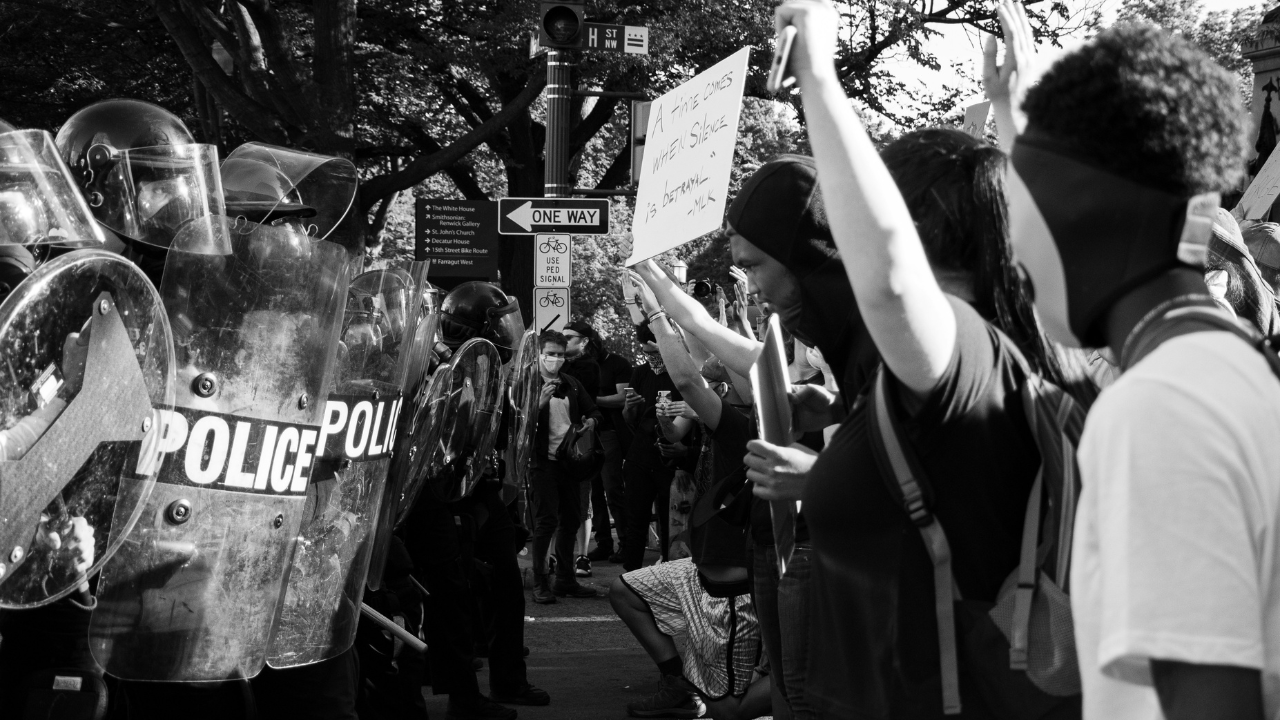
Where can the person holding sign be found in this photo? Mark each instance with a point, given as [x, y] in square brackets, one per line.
[922, 232]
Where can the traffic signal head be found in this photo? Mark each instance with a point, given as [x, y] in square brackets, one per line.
[561, 25]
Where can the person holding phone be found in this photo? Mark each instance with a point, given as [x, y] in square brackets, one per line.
[553, 490]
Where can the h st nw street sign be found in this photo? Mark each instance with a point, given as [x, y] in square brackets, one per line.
[528, 216]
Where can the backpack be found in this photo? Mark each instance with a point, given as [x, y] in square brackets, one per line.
[1020, 651]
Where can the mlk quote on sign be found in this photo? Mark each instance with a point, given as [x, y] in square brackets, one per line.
[688, 156]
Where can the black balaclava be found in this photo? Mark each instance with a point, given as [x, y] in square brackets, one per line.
[1108, 235]
[779, 210]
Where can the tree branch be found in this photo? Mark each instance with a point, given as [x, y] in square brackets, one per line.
[424, 167]
[65, 11]
[297, 89]
[619, 172]
[260, 120]
[460, 173]
[595, 120]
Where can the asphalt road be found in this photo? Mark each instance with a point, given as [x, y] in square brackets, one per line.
[581, 654]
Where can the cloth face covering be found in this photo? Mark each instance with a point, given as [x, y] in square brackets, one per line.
[1087, 237]
[552, 365]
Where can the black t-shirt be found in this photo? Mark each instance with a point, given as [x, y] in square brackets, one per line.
[873, 629]
[647, 383]
[585, 370]
[614, 369]
[721, 540]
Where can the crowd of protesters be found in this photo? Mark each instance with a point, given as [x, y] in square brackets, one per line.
[1033, 412]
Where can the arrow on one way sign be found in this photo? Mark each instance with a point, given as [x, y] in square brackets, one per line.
[522, 216]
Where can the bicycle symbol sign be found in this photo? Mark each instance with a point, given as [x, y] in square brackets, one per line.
[550, 308]
[552, 261]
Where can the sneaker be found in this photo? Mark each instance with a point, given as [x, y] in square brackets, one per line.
[582, 566]
[527, 695]
[571, 589]
[542, 594]
[601, 553]
[482, 709]
[671, 700]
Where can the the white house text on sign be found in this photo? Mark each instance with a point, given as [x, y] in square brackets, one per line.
[688, 156]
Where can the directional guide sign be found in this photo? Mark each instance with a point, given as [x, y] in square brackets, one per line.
[550, 308]
[522, 216]
[457, 236]
[552, 258]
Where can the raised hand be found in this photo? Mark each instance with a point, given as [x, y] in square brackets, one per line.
[816, 23]
[1007, 84]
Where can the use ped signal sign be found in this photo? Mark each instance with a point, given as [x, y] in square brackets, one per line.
[525, 216]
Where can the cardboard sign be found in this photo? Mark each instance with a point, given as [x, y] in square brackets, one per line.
[689, 144]
[1262, 192]
[975, 119]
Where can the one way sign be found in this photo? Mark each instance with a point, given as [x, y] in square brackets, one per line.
[525, 216]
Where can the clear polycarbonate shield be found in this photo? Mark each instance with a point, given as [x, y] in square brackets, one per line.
[523, 386]
[151, 194]
[88, 361]
[194, 591]
[264, 183]
[321, 606]
[471, 416]
[39, 203]
[402, 484]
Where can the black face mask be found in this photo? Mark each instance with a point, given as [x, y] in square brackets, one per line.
[1106, 236]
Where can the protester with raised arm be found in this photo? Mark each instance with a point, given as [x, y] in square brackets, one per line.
[922, 234]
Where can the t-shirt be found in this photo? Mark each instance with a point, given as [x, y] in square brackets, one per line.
[558, 419]
[647, 383]
[1175, 549]
[873, 642]
[614, 369]
[587, 372]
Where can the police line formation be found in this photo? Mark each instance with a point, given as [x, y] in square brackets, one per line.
[1037, 476]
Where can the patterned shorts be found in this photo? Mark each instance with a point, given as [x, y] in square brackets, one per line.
[723, 634]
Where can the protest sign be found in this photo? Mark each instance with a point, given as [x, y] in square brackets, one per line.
[689, 152]
[1262, 191]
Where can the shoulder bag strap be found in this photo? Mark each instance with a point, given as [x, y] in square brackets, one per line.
[891, 454]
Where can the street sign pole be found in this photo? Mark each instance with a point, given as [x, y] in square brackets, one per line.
[555, 172]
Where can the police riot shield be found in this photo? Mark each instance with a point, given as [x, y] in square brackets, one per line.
[39, 204]
[193, 592]
[266, 183]
[402, 483]
[524, 385]
[471, 412]
[87, 356]
[321, 605]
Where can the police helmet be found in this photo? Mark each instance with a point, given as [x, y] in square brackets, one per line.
[481, 309]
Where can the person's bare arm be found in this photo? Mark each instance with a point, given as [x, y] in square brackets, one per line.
[612, 402]
[735, 351]
[906, 311]
[1190, 691]
[684, 372]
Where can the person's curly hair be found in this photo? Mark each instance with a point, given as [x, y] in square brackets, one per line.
[1148, 107]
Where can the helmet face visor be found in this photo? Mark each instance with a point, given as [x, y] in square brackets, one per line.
[151, 194]
[265, 183]
[505, 328]
[39, 204]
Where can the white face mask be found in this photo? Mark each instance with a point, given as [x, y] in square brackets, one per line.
[552, 365]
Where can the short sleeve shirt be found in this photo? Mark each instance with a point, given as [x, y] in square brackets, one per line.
[1174, 555]
[873, 630]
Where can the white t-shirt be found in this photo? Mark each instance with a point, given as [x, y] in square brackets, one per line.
[558, 424]
[1174, 555]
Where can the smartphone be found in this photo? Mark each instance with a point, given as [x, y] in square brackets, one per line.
[778, 77]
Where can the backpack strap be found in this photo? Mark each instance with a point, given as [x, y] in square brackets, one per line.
[1188, 319]
[895, 463]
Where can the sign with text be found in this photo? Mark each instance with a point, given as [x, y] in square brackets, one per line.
[688, 155]
[975, 119]
[550, 308]
[617, 38]
[459, 237]
[552, 261]
[522, 216]
[1262, 192]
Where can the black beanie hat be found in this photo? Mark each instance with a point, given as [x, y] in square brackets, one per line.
[779, 210]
